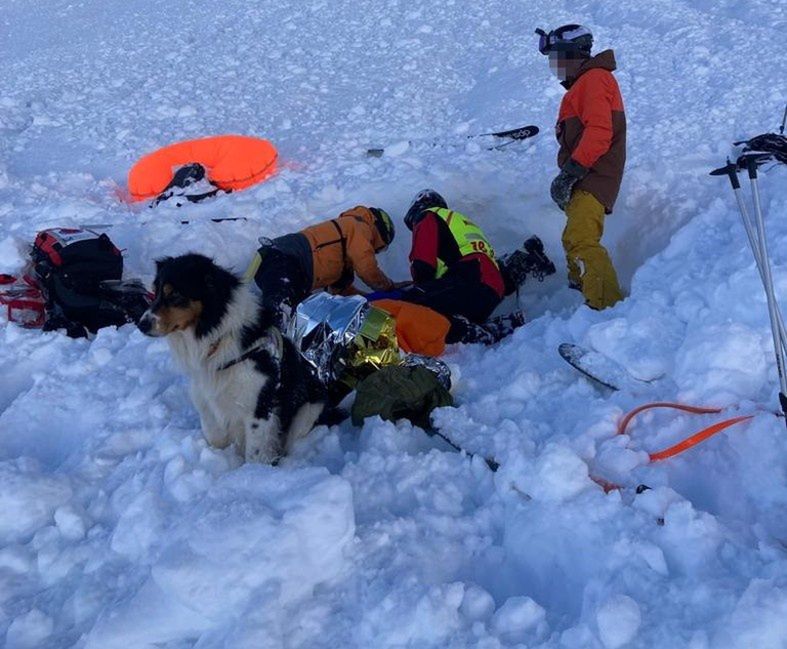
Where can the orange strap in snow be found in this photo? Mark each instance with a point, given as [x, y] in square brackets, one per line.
[681, 446]
[695, 439]
[697, 410]
[687, 443]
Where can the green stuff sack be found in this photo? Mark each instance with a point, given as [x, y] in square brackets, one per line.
[399, 392]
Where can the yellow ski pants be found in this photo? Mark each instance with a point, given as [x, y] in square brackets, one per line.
[589, 265]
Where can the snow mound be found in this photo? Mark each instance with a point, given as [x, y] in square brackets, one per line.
[618, 620]
[258, 539]
[28, 499]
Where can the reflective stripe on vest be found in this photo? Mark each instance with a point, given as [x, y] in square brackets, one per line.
[468, 236]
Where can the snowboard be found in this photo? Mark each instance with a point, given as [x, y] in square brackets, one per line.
[600, 368]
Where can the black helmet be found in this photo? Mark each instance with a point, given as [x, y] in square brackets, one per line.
[384, 224]
[568, 38]
[424, 200]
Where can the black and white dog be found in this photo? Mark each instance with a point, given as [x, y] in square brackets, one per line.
[249, 383]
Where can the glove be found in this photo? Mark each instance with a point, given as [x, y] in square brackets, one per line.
[767, 143]
[564, 182]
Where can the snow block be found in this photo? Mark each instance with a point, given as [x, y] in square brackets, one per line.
[260, 529]
[28, 499]
[618, 620]
[518, 618]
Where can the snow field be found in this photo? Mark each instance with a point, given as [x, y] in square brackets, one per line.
[119, 526]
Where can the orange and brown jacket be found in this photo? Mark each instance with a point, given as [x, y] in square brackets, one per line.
[344, 246]
[591, 128]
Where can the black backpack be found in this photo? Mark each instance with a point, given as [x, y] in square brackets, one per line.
[80, 275]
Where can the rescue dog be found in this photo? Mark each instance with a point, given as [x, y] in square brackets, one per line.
[249, 383]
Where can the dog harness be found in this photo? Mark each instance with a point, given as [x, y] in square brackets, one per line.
[272, 342]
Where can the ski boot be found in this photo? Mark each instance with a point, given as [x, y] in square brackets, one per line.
[504, 325]
[530, 260]
[490, 332]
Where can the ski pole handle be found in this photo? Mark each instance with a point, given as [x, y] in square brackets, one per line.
[733, 174]
[752, 167]
[731, 171]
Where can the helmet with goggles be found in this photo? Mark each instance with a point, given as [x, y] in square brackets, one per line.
[568, 38]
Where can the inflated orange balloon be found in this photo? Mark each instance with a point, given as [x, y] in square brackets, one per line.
[231, 162]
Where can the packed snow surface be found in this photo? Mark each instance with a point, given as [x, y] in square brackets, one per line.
[120, 527]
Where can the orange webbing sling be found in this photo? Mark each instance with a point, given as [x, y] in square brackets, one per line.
[690, 441]
[681, 446]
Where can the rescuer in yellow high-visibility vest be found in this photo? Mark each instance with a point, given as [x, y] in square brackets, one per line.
[451, 261]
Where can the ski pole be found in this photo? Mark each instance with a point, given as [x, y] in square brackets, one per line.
[493, 466]
[784, 120]
[732, 172]
[755, 246]
[105, 226]
[773, 307]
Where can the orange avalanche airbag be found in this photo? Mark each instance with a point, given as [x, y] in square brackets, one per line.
[231, 162]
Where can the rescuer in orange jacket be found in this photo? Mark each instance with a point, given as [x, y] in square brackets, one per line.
[591, 132]
[323, 256]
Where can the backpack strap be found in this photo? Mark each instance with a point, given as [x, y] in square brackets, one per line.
[342, 240]
[347, 274]
[272, 342]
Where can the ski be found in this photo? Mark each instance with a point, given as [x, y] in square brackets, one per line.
[513, 135]
[601, 369]
[521, 133]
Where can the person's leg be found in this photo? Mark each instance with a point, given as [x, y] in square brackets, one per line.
[281, 284]
[458, 293]
[587, 259]
[490, 332]
[503, 326]
[464, 331]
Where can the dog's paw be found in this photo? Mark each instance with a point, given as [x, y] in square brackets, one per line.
[262, 441]
[215, 436]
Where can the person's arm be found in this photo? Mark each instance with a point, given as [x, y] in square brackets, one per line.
[423, 255]
[594, 108]
[361, 254]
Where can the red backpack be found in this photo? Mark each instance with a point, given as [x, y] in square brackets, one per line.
[76, 274]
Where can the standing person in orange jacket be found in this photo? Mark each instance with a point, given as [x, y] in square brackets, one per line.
[323, 256]
[591, 131]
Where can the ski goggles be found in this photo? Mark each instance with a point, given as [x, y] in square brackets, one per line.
[545, 41]
[555, 41]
